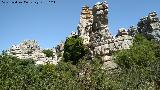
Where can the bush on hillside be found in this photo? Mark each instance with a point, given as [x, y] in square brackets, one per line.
[74, 49]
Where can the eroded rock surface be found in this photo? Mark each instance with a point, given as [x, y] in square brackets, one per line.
[150, 26]
[29, 49]
[94, 30]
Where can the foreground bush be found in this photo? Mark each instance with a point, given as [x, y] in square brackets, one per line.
[138, 69]
[74, 49]
[137, 65]
[19, 74]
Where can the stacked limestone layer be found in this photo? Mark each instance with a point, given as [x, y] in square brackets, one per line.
[29, 49]
[93, 28]
[85, 24]
[60, 49]
[150, 26]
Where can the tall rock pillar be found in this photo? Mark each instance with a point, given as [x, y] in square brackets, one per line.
[100, 31]
[85, 24]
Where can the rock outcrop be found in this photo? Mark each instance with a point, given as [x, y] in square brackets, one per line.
[29, 49]
[85, 24]
[93, 29]
[150, 26]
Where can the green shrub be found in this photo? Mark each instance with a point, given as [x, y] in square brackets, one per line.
[74, 49]
[48, 53]
[141, 54]
[136, 65]
[138, 69]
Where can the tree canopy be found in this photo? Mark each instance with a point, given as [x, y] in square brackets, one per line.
[48, 53]
[74, 49]
[138, 69]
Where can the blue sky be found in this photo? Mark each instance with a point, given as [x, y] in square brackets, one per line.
[50, 23]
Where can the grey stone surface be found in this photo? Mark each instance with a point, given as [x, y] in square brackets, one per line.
[150, 26]
[29, 49]
[93, 29]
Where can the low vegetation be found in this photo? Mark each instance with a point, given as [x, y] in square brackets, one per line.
[48, 53]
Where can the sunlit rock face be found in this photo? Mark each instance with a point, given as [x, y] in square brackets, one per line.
[26, 49]
[85, 24]
[29, 49]
[150, 26]
[94, 30]
[100, 31]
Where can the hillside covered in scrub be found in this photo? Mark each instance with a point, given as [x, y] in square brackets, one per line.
[137, 68]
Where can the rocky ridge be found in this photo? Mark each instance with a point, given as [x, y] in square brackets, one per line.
[94, 30]
[150, 26]
[29, 49]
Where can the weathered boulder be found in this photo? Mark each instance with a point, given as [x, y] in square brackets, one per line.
[149, 26]
[29, 49]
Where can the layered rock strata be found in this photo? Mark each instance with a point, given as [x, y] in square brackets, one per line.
[93, 29]
[29, 49]
[150, 26]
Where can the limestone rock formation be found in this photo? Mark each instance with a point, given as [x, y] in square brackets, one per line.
[132, 31]
[29, 49]
[150, 26]
[93, 29]
[85, 24]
